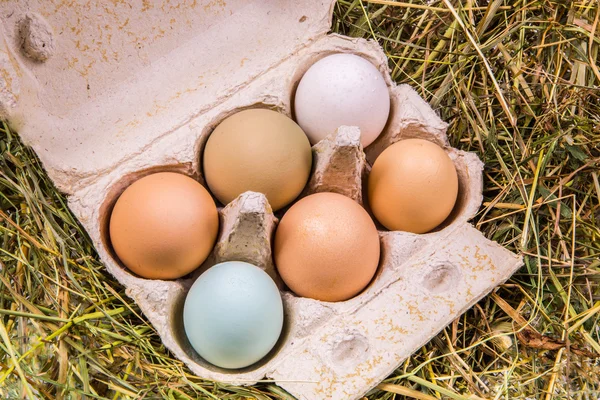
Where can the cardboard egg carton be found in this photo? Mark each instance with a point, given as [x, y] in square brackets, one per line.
[107, 93]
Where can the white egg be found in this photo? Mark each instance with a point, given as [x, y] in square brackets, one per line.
[342, 89]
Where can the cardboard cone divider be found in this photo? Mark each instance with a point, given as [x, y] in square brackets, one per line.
[102, 113]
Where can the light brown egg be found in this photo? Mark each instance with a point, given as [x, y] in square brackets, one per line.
[326, 247]
[413, 186]
[164, 226]
[258, 150]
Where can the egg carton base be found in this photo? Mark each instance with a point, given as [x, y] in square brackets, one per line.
[423, 283]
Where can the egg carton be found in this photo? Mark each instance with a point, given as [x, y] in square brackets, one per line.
[107, 93]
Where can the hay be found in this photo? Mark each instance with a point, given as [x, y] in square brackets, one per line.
[519, 83]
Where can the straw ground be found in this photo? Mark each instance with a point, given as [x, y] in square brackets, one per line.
[518, 81]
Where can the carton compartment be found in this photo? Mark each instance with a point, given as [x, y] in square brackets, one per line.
[118, 188]
[178, 333]
[210, 127]
[307, 61]
[400, 127]
[463, 208]
[469, 190]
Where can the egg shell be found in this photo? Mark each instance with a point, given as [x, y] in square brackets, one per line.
[342, 89]
[164, 226]
[233, 314]
[326, 247]
[257, 150]
[413, 186]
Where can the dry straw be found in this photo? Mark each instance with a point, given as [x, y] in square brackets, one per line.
[518, 81]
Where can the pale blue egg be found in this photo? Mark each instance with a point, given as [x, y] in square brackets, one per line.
[233, 314]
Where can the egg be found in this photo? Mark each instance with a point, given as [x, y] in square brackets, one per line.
[342, 89]
[258, 150]
[233, 314]
[413, 186]
[326, 247]
[163, 226]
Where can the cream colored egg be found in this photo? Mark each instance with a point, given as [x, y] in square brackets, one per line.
[258, 150]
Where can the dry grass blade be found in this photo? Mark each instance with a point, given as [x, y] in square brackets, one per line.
[404, 391]
[68, 330]
[503, 102]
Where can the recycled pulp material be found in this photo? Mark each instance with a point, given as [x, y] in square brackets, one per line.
[109, 92]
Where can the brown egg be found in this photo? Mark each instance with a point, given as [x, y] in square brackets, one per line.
[258, 150]
[413, 186]
[164, 226]
[326, 247]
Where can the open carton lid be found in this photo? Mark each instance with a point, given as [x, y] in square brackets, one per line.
[90, 84]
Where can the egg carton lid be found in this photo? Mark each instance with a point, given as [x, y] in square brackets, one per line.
[90, 84]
